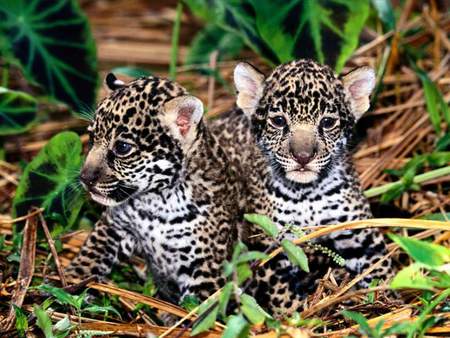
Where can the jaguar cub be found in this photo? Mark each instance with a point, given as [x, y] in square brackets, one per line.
[290, 141]
[165, 185]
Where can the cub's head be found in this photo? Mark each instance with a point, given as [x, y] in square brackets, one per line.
[140, 136]
[302, 114]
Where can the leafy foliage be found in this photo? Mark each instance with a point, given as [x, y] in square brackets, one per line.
[437, 108]
[213, 38]
[376, 331]
[409, 171]
[17, 111]
[296, 254]
[53, 43]
[326, 31]
[428, 272]
[50, 181]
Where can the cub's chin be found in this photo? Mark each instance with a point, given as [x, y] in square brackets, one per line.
[302, 176]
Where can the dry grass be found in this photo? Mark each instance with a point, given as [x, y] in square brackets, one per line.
[397, 128]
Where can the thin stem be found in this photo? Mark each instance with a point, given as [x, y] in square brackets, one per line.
[175, 41]
[430, 175]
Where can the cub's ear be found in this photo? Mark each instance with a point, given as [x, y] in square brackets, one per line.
[181, 115]
[113, 82]
[249, 84]
[358, 85]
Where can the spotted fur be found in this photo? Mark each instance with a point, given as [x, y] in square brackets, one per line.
[297, 168]
[170, 193]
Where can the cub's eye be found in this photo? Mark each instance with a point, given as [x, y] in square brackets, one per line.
[122, 148]
[278, 121]
[327, 122]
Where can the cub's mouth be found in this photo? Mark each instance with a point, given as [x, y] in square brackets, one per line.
[111, 197]
[303, 175]
[102, 199]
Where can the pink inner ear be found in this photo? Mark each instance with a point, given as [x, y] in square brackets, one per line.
[184, 119]
[358, 89]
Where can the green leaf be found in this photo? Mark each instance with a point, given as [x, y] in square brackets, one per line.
[251, 309]
[61, 295]
[295, 254]
[43, 321]
[237, 327]
[412, 277]
[213, 38]
[17, 111]
[50, 181]
[224, 298]
[429, 254]
[53, 42]
[208, 321]
[251, 256]
[243, 273]
[364, 327]
[63, 324]
[264, 222]
[189, 302]
[436, 105]
[21, 321]
[385, 13]
[437, 217]
[283, 30]
[97, 309]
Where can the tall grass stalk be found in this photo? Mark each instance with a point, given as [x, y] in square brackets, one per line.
[175, 42]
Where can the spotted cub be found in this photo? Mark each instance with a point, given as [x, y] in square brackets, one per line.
[170, 194]
[290, 142]
[167, 192]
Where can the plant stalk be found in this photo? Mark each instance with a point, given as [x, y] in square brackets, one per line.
[417, 179]
[175, 42]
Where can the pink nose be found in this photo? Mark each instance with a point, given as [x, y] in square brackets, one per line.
[303, 157]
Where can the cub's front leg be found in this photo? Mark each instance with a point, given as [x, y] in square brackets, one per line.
[105, 245]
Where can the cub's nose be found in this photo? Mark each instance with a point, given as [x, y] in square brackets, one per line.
[89, 176]
[303, 157]
[303, 147]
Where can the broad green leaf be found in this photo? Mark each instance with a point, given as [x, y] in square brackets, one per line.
[43, 321]
[429, 254]
[53, 42]
[61, 295]
[385, 13]
[295, 254]
[251, 309]
[50, 181]
[412, 277]
[213, 38]
[264, 222]
[237, 327]
[17, 111]
[283, 30]
[208, 321]
[21, 321]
